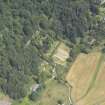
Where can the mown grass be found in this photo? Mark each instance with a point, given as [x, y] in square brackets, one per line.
[95, 76]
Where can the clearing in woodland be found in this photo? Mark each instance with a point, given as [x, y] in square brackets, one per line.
[61, 54]
[87, 76]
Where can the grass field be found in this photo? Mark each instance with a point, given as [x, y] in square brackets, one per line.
[87, 76]
[54, 91]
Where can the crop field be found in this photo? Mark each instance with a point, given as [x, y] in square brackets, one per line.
[87, 76]
[61, 54]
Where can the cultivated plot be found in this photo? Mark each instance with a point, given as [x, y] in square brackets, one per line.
[87, 76]
[61, 54]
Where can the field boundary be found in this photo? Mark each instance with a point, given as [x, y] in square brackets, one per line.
[52, 53]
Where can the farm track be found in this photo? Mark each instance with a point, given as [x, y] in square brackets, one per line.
[94, 77]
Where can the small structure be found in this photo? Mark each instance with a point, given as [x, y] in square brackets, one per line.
[61, 54]
[35, 87]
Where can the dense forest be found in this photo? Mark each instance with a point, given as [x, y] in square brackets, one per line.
[29, 27]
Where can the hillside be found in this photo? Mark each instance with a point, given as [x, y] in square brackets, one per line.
[40, 40]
